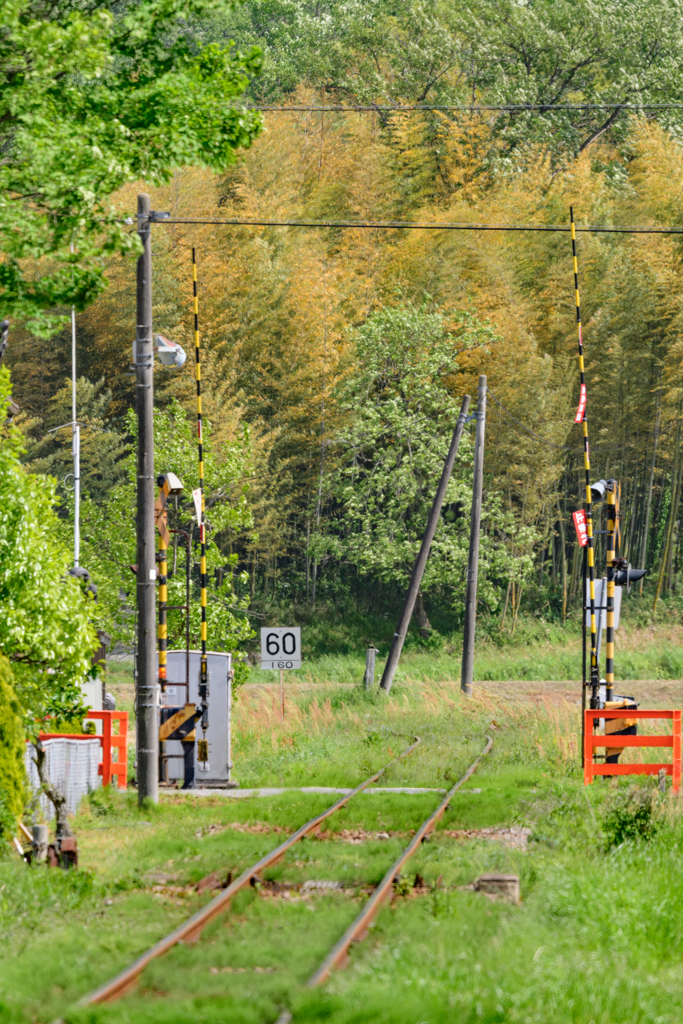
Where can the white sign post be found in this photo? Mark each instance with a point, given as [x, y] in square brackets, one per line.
[280, 650]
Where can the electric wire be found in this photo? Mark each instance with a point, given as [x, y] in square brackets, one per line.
[575, 449]
[399, 108]
[530, 432]
[413, 226]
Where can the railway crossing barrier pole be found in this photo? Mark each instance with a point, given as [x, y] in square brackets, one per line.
[473, 560]
[421, 560]
[146, 682]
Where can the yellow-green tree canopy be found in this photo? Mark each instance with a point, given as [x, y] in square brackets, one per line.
[45, 628]
[12, 772]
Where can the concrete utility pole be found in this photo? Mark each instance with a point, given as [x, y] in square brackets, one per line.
[473, 561]
[146, 689]
[423, 554]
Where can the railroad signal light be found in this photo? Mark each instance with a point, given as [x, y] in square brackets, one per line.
[169, 484]
[626, 576]
[598, 490]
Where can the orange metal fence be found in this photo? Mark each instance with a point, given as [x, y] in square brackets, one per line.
[114, 763]
[592, 741]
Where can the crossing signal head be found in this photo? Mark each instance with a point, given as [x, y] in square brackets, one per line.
[599, 489]
[169, 483]
[624, 577]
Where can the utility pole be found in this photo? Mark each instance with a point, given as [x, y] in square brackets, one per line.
[473, 561]
[146, 683]
[423, 554]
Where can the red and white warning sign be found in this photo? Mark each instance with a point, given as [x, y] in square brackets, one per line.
[581, 411]
[580, 527]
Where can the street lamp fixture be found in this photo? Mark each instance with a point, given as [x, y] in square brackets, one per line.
[169, 353]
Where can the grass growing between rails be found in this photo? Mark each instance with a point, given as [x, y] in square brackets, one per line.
[596, 936]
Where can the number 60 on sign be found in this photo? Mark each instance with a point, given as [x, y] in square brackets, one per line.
[281, 647]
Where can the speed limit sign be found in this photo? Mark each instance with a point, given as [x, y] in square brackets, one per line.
[281, 647]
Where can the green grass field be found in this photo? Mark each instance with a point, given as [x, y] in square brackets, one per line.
[596, 936]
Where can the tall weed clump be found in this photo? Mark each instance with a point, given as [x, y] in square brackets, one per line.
[633, 815]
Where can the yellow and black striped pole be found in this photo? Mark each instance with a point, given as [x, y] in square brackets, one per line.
[203, 668]
[612, 521]
[581, 417]
[168, 484]
[164, 537]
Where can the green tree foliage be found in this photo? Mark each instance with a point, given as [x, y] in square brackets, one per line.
[12, 771]
[485, 51]
[109, 545]
[280, 308]
[572, 51]
[45, 627]
[49, 447]
[402, 415]
[90, 100]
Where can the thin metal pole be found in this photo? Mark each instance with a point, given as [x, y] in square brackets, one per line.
[162, 628]
[231, 675]
[421, 560]
[583, 401]
[146, 691]
[75, 443]
[188, 545]
[203, 665]
[467, 673]
[584, 608]
[611, 556]
[282, 696]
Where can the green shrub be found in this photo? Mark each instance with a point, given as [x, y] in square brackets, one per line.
[632, 815]
[12, 771]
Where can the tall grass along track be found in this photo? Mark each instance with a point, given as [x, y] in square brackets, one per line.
[190, 930]
[338, 955]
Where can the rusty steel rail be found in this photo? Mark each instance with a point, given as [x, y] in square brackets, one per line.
[190, 930]
[357, 931]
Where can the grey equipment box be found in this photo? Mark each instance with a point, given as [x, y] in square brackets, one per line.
[219, 773]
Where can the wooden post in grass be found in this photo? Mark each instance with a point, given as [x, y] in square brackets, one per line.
[423, 554]
[369, 677]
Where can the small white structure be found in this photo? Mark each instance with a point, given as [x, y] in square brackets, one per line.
[217, 772]
[71, 765]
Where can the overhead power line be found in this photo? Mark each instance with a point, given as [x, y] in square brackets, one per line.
[576, 448]
[472, 108]
[413, 226]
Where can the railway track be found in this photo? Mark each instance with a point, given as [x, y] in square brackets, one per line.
[190, 930]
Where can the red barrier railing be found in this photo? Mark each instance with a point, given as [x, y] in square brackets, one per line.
[591, 741]
[111, 743]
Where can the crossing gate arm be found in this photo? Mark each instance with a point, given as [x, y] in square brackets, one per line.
[593, 741]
